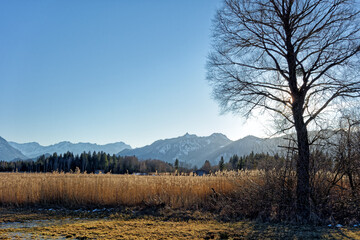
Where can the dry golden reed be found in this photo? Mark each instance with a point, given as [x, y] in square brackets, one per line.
[255, 194]
[82, 190]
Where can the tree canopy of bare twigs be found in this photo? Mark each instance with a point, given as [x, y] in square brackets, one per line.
[290, 57]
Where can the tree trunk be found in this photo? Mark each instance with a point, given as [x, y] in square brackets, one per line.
[298, 97]
[302, 167]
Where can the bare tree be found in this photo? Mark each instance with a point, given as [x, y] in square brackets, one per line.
[294, 58]
[347, 149]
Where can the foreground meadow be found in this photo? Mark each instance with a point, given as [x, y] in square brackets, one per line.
[25, 224]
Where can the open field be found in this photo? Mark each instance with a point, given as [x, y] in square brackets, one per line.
[98, 190]
[46, 224]
[230, 196]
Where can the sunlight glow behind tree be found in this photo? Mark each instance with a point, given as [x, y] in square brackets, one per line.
[292, 58]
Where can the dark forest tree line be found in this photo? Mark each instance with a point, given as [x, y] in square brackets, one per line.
[255, 161]
[87, 162]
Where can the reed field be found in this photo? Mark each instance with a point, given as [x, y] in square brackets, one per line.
[97, 190]
[193, 207]
[255, 194]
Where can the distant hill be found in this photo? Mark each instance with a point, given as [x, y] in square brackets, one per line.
[246, 145]
[34, 149]
[189, 149]
[194, 150]
[8, 153]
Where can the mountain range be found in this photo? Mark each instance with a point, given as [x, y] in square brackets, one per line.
[192, 150]
[12, 150]
[8, 153]
[189, 149]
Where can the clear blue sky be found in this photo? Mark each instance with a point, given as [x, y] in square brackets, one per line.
[107, 71]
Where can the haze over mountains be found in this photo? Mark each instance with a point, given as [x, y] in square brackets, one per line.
[191, 150]
[34, 149]
[8, 153]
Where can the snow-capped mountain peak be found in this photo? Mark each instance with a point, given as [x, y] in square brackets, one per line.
[188, 148]
[34, 149]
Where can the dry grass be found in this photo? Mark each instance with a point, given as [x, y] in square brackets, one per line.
[263, 195]
[95, 190]
[153, 228]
